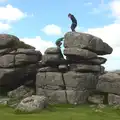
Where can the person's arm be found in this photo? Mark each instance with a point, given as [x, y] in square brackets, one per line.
[60, 39]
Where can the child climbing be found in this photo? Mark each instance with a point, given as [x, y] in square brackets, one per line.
[59, 42]
[74, 22]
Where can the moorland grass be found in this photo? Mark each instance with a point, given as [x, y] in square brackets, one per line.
[62, 112]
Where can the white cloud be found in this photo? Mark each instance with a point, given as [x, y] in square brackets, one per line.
[115, 9]
[1, 1]
[52, 30]
[10, 13]
[38, 43]
[4, 27]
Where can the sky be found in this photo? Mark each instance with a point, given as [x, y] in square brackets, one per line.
[40, 22]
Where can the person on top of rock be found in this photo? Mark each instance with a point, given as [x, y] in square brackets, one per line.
[59, 42]
[74, 22]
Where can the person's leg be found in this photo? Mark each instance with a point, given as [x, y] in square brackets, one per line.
[73, 26]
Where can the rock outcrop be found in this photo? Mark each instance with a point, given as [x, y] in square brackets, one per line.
[72, 80]
[18, 63]
[75, 77]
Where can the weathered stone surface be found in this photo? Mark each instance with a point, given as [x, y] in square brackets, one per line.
[22, 59]
[53, 50]
[7, 40]
[18, 94]
[27, 51]
[52, 59]
[32, 104]
[77, 97]
[10, 78]
[5, 51]
[102, 70]
[11, 41]
[64, 96]
[96, 99]
[85, 68]
[44, 92]
[58, 97]
[7, 61]
[94, 61]
[21, 92]
[81, 53]
[109, 83]
[86, 41]
[48, 69]
[49, 78]
[80, 81]
[6, 76]
[50, 93]
[113, 99]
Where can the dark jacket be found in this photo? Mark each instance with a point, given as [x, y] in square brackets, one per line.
[73, 19]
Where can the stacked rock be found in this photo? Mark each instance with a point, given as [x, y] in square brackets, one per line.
[81, 51]
[18, 63]
[49, 79]
[79, 77]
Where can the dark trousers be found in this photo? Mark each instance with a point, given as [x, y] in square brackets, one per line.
[73, 26]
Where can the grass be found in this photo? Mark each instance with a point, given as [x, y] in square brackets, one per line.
[62, 112]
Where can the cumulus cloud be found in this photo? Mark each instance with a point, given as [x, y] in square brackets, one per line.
[52, 30]
[10, 13]
[38, 43]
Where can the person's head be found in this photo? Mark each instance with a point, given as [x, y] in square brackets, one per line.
[69, 15]
[58, 44]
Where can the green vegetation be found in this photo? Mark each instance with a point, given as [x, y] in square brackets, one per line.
[62, 112]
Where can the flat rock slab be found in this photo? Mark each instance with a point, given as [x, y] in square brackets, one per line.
[27, 51]
[79, 81]
[94, 61]
[48, 69]
[21, 59]
[49, 78]
[109, 83]
[53, 50]
[64, 96]
[52, 59]
[86, 41]
[85, 68]
[81, 53]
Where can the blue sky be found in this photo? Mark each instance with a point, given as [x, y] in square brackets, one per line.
[41, 22]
